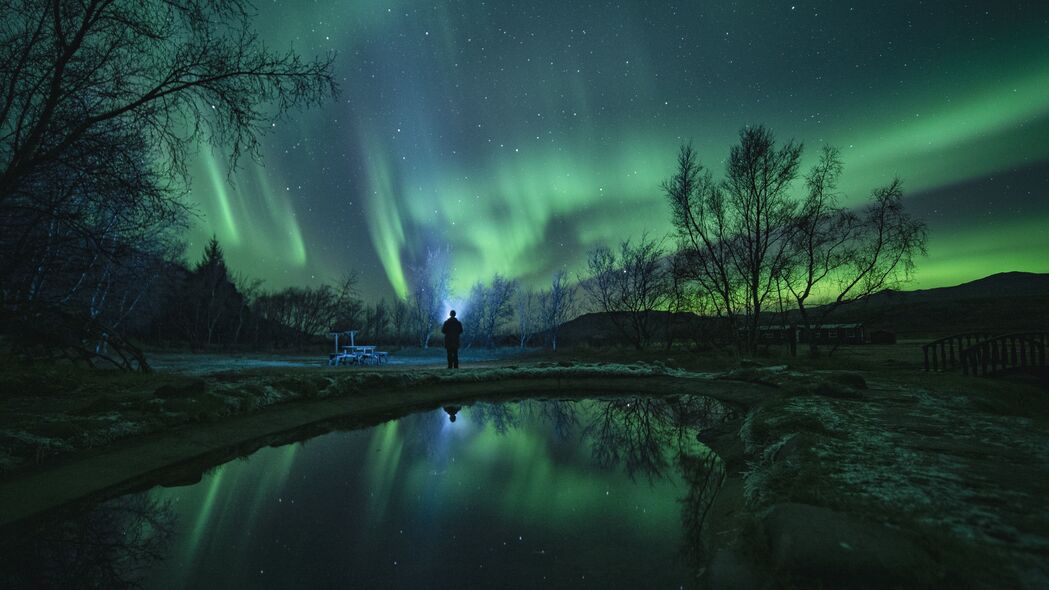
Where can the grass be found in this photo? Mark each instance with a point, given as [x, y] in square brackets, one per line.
[931, 457]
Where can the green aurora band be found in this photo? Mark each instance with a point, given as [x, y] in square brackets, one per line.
[521, 141]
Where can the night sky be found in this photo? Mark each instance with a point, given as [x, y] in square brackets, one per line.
[523, 133]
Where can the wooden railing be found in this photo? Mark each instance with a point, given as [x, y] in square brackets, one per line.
[945, 353]
[1020, 351]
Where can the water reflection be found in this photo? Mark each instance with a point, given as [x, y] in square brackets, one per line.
[501, 417]
[563, 416]
[523, 494]
[113, 545]
[703, 475]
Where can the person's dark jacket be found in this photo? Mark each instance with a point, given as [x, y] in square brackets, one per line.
[451, 329]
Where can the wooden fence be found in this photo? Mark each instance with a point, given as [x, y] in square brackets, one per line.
[1022, 351]
[945, 353]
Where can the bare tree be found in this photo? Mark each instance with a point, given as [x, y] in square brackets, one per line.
[680, 298]
[700, 216]
[473, 315]
[175, 72]
[746, 240]
[497, 308]
[250, 290]
[823, 238]
[429, 284]
[738, 231]
[400, 318]
[487, 308]
[757, 181]
[350, 315]
[628, 286]
[839, 256]
[101, 104]
[86, 216]
[310, 312]
[556, 305]
[526, 313]
[380, 321]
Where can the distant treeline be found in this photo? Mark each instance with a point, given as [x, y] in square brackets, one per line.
[207, 306]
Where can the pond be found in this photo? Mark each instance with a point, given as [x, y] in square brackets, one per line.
[539, 493]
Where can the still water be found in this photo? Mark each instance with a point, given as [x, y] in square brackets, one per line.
[530, 494]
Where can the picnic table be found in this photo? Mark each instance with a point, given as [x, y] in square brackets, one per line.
[361, 355]
[356, 354]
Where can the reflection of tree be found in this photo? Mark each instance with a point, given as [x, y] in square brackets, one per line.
[642, 433]
[501, 416]
[563, 416]
[635, 433]
[421, 431]
[111, 546]
[697, 411]
[651, 436]
[703, 474]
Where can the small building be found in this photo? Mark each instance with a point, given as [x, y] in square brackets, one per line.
[778, 334]
[825, 334]
[881, 337]
[837, 334]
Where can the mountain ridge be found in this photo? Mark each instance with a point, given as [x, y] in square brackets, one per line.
[1009, 284]
[1012, 301]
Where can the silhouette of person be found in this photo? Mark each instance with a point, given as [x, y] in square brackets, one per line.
[451, 329]
[452, 411]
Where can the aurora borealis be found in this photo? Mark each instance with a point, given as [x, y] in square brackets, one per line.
[523, 133]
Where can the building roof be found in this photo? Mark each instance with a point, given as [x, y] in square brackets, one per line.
[823, 327]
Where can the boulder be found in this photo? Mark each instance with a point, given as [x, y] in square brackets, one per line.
[844, 551]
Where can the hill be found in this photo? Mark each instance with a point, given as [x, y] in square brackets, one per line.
[599, 329]
[1003, 302]
[1003, 284]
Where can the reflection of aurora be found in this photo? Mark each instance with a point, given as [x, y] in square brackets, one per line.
[625, 477]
